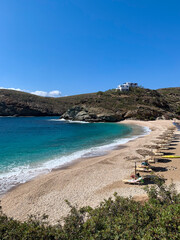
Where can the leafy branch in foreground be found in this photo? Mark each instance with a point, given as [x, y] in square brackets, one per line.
[162, 193]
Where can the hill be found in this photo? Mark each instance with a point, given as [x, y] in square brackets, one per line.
[16, 103]
[172, 96]
[112, 105]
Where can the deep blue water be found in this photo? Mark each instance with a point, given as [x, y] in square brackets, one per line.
[30, 146]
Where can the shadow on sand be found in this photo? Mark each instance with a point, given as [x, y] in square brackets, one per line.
[164, 160]
[159, 169]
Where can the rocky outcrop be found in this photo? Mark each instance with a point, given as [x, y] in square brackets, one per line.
[81, 113]
[90, 114]
[143, 113]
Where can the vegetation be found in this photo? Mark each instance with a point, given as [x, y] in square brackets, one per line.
[172, 96]
[118, 218]
[138, 103]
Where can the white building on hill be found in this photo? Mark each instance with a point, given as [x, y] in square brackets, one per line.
[126, 86]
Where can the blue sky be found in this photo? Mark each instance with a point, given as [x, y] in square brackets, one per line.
[81, 46]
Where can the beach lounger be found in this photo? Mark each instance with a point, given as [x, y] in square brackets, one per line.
[152, 160]
[159, 154]
[144, 166]
[141, 169]
[164, 148]
[164, 145]
[134, 181]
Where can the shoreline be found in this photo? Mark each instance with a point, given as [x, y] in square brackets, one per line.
[99, 151]
[54, 164]
[82, 183]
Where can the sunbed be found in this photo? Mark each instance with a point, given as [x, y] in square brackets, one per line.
[134, 181]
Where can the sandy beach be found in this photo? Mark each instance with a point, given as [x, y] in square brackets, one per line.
[89, 181]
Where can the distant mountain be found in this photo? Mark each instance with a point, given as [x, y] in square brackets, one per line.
[112, 105]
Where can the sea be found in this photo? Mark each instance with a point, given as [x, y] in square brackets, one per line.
[30, 146]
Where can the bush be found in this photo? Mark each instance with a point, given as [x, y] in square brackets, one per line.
[114, 218]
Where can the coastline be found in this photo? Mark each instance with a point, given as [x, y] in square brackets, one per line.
[25, 173]
[82, 183]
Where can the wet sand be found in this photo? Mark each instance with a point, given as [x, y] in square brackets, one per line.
[89, 181]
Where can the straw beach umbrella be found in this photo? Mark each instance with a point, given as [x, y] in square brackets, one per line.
[147, 154]
[163, 137]
[161, 142]
[133, 158]
[152, 146]
[144, 152]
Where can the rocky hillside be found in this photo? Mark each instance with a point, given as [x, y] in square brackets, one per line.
[15, 103]
[112, 105]
[138, 103]
[172, 96]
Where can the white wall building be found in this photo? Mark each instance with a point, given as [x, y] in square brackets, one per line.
[126, 86]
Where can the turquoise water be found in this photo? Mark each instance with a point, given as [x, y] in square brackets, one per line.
[30, 146]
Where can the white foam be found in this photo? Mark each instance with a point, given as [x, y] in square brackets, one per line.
[71, 121]
[57, 120]
[64, 120]
[23, 174]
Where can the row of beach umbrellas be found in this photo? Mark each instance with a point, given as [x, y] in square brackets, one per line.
[150, 153]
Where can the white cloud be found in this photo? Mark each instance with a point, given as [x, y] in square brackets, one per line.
[40, 93]
[54, 93]
[16, 89]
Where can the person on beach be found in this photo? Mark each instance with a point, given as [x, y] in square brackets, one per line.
[136, 176]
